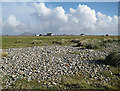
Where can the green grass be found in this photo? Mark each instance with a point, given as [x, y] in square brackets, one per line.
[74, 53]
[79, 52]
[115, 70]
[113, 58]
[106, 73]
[28, 41]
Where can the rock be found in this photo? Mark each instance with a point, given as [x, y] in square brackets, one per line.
[54, 83]
[38, 81]
[13, 76]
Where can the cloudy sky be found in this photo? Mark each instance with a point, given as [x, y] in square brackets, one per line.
[60, 18]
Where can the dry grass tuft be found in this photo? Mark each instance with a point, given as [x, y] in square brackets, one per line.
[4, 54]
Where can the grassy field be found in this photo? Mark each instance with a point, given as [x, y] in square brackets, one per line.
[73, 81]
[28, 41]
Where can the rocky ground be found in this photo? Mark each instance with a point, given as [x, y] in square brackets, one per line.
[51, 66]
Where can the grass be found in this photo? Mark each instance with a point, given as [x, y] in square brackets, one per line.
[57, 42]
[92, 46]
[4, 54]
[115, 71]
[106, 73]
[96, 43]
[79, 52]
[70, 82]
[74, 81]
[28, 41]
[74, 53]
[113, 58]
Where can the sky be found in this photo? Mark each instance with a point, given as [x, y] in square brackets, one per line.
[60, 0]
[60, 17]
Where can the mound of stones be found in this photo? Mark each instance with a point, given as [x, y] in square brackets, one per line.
[51, 63]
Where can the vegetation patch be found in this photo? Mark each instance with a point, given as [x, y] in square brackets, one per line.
[115, 71]
[75, 40]
[29, 41]
[74, 53]
[4, 54]
[64, 41]
[109, 40]
[89, 45]
[106, 73]
[95, 43]
[36, 41]
[19, 41]
[92, 46]
[113, 58]
[56, 42]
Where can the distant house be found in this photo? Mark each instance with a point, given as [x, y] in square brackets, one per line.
[107, 35]
[41, 34]
[64, 34]
[49, 34]
[37, 35]
[82, 34]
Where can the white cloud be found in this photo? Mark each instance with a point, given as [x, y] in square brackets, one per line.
[42, 9]
[12, 21]
[83, 19]
[106, 24]
[49, 20]
[80, 20]
[13, 26]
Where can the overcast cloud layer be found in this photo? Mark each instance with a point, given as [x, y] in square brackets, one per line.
[83, 19]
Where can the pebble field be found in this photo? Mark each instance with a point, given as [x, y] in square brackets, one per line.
[56, 67]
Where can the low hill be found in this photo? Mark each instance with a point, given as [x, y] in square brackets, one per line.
[27, 33]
